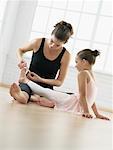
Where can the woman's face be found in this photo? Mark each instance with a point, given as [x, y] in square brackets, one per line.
[54, 43]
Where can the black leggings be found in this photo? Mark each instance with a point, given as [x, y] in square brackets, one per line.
[26, 88]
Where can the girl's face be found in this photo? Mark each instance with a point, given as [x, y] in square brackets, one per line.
[54, 43]
[79, 64]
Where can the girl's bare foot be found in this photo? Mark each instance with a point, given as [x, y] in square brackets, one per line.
[17, 94]
[23, 78]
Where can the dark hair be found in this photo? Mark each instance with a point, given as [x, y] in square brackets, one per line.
[88, 55]
[63, 31]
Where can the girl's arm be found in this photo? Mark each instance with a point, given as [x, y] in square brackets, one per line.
[82, 83]
[97, 114]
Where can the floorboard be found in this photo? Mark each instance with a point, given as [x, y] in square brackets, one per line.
[32, 127]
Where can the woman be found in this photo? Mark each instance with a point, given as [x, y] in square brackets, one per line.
[48, 65]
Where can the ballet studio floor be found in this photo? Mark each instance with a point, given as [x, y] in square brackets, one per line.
[32, 127]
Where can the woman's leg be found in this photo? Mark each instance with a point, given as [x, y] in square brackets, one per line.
[57, 97]
[17, 94]
[20, 92]
[35, 97]
[52, 95]
[42, 101]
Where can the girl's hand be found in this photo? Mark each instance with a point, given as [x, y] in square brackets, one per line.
[87, 115]
[102, 117]
[22, 64]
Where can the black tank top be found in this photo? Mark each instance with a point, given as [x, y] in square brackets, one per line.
[44, 67]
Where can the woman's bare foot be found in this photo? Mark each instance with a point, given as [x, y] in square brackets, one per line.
[17, 94]
[35, 98]
[42, 101]
[23, 78]
[46, 102]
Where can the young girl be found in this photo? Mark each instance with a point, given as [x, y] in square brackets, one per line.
[81, 103]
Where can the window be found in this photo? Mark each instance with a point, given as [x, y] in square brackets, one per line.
[92, 23]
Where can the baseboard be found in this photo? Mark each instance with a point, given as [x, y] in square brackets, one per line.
[4, 85]
[106, 109]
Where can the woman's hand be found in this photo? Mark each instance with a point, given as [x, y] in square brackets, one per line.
[22, 64]
[34, 77]
[87, 115]
[102, 117]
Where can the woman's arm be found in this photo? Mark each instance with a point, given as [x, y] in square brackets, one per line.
[30, 46]
[61, 76]
[97, 114]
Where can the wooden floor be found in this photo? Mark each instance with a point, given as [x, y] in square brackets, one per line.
[32, 127]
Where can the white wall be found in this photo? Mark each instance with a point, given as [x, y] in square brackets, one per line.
[6, 35]
[15, 32]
